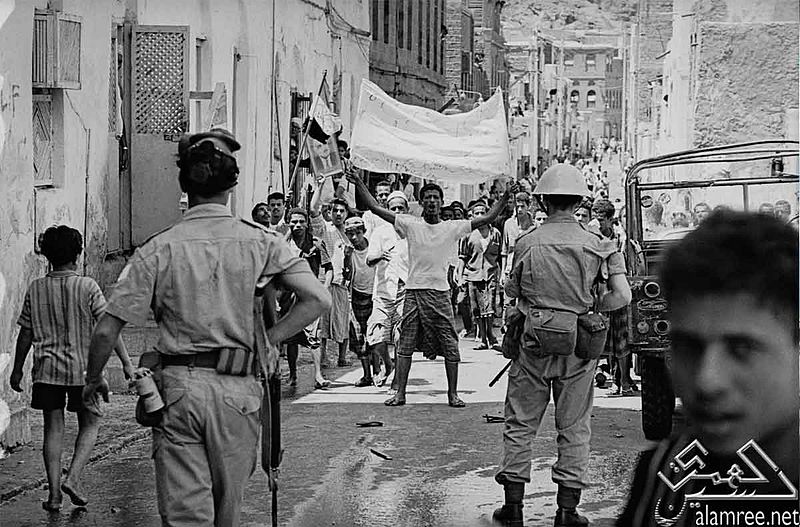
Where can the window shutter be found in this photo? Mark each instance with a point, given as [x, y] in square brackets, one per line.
[42, 140]
[68, 52]
[43, 50]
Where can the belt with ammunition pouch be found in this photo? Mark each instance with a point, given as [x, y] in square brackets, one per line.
[226, 361]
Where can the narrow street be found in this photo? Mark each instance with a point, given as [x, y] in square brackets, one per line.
[440, 472]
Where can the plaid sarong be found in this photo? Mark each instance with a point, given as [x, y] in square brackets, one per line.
[427, 325]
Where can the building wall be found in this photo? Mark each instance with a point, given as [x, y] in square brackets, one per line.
[308, 42]
[78, 196]
[490, 45]
[236, 33]
[654, 29]
[758, 62]
[414, 75]
[730, 75]
[459, 46]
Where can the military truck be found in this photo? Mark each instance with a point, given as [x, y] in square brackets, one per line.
[668, 196]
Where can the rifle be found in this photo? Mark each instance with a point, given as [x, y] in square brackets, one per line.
[271, 451]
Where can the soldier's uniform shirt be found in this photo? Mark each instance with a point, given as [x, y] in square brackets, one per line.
[555, 267]
[199, 278]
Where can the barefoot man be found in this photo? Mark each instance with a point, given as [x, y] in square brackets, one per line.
[427, 322]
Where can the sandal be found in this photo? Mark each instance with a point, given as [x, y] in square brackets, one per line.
[456, 402]
[364, 381]
[322, 385]
[481, 347]
[344, 364]
[49, 507]
[394, 401]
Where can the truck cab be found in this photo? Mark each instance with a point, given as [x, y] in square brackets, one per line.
[666, 198]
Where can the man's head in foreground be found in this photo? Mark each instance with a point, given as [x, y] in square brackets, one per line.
[732, 287]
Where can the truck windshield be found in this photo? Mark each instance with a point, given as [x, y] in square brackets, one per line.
[675, 199]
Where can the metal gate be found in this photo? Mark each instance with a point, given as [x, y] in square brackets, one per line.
[160, 115]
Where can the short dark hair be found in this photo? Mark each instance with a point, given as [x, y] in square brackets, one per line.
[341, 143]
[431, 186]
[299, 210]
[276, 195]
[340, 201]
[259, 205]
[737, 252]
[603, 207]
[564, 201]
[61, 244]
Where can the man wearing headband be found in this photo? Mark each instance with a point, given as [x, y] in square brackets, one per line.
[200, 279]
[361, 294]
[427, 322]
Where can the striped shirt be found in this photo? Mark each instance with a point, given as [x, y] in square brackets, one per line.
[61, 310]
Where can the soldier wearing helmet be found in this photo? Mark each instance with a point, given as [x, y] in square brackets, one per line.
[200, 279]
[553, 281]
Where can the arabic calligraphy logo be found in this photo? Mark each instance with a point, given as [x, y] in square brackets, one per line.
[691, 462]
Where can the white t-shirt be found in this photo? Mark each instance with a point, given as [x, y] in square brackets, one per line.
[430, 247]
[372, 221]
[387, 274]
[364, 276]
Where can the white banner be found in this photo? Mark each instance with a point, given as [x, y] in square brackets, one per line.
[389, 136]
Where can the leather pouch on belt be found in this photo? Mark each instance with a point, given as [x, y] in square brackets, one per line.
[235, 361]
[556, 331]
[592, 333]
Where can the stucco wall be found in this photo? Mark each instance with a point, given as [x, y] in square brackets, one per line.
[747, 76]
[78, 197]
[229, 27]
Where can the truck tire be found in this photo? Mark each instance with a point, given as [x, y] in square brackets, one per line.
[658, 399]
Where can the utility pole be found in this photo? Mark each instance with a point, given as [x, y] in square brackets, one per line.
[534, 129]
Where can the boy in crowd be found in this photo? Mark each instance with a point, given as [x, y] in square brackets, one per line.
[479, 264]
[363, 283]
[57, 318]
[732, 287]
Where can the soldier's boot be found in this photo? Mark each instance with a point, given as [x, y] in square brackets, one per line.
[510, 514]
[567, 514]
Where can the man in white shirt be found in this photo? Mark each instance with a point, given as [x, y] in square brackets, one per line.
[388, 253]
[427, 322]
[371, 220]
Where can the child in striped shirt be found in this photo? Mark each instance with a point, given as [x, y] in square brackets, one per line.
[57, 318]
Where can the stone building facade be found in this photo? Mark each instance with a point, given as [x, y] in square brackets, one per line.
[460, 52]
[730, 75]
[407, 51]
[490, 52]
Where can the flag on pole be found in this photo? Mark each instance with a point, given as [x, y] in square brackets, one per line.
[389, 136]
[323, 122]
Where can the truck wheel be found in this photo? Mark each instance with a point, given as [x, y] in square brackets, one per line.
[658, 399]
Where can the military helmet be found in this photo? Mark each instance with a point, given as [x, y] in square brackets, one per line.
[562, 179]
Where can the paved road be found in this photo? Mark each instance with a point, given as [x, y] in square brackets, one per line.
[440, 472]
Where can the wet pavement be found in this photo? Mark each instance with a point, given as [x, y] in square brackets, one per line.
[440, 471]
